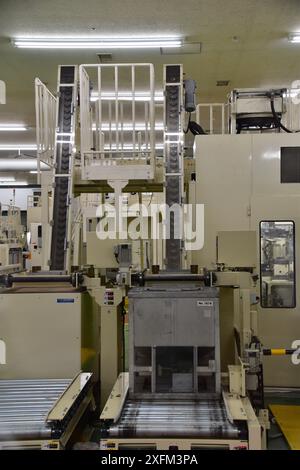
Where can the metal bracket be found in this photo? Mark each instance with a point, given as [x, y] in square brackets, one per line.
[237, 379]
[114, 405]
[234, 407]
[63, 405]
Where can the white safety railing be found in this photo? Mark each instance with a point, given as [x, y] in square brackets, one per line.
[213, 117]
[117, 121]
[45, 110]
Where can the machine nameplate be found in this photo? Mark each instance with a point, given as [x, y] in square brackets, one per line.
[205, 303]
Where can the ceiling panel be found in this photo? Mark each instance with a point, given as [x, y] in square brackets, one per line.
[244, 41]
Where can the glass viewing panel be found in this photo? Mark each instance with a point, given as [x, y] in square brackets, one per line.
[277, 264]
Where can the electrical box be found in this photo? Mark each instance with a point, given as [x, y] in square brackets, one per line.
[49, 335]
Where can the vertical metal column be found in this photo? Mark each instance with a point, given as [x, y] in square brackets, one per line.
[67, 92]
[173, 151]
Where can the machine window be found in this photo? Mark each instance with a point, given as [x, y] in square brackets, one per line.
[277, 264]
[290, 165]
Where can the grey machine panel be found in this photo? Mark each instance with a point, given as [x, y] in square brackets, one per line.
[174, 341]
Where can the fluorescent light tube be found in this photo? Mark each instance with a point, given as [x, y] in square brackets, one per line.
[293, 92]
[17, 147]
[13, 183]
[12, 127]
[294, 38]
[7, 179]
[97, 43]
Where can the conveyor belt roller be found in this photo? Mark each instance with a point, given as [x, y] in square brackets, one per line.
[176, 418]
[24, 406]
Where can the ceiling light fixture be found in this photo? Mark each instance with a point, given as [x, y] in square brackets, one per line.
[97, 43]
[7, 179]
[12, 127]
[17, 147]
[294, 38]
[293, 92]
[127, 96]
[13, 183]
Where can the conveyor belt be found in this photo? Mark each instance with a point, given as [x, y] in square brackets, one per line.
[173, 159]
[24, 405]
[65, 127]
[190, 418]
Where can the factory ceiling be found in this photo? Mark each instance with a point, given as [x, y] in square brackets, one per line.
[242, 41]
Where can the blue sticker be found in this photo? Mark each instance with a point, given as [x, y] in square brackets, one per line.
[65, 301]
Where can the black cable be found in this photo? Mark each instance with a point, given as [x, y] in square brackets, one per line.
[196, 129]
[276, 117]
[123, 313]
[150, 200]
[188, 125]
[147, 255]
[277, 120]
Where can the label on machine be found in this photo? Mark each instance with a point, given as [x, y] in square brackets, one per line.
[205, 303]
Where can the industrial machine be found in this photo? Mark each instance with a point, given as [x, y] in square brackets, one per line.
[197, 336]
[179, 346]
[175, 378]
[255, 197]
[50, 333]
[185, 368]
[55, 320]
